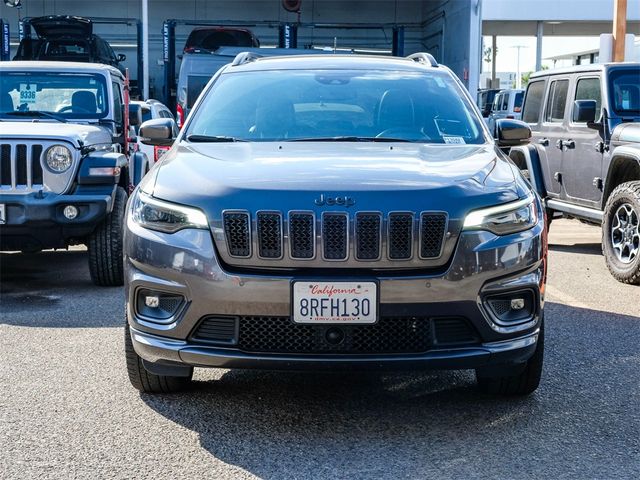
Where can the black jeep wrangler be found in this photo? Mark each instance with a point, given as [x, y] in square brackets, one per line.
[584, 158]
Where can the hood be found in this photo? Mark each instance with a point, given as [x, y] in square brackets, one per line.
[72, 132]
[62, 26]
[626, 133]
[376, 176]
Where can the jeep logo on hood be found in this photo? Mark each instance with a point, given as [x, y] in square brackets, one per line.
[325, 200]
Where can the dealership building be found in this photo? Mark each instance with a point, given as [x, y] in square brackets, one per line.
[451, 30]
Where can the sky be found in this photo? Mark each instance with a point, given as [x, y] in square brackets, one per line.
[507, 55]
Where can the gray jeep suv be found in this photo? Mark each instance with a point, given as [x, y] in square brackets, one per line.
[335, 212]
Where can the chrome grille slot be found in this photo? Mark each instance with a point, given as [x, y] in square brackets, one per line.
[269, 228]
[301, 235]
[400, 236]
[432, 231]
[368, 235]
[21, 165]
[335, 236]
[238, 233]
[5, 166]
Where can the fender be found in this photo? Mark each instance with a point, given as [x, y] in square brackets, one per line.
[529, 154]
[623, 167]
[101, 159]
[139, 167]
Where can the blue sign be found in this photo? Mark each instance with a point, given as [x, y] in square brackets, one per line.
[4, 53]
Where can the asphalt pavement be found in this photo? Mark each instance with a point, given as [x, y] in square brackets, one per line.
[67, 409]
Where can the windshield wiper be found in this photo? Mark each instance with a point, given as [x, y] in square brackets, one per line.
[212, 138]
[349, 139]
[37, 113]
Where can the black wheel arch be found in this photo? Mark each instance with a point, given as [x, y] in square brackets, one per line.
[624, 167]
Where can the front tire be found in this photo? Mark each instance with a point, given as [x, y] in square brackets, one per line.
[523, 383]
[621, 233]
[106, 264]
[146, 381]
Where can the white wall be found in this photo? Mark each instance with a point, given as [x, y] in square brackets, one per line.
[559, 10]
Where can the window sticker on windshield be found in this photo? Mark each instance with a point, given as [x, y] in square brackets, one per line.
[456, 140]
[28, 93]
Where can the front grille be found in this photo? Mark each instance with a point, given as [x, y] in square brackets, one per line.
[334, 236]
[281, 335]
[301, 235]
[368, 236]
[397, 237]
[269, 235]
[432, 229]
[400, 236]
[238, 233]
[20, 167]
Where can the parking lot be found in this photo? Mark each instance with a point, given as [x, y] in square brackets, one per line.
[67, 409]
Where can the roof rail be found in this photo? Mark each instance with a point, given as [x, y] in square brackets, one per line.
[245, 57]
[422, 57]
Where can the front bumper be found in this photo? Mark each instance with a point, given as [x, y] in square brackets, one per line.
[159, 350]
[186, 264]
[36, 220]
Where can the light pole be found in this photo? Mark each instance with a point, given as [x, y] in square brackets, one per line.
[518, 76]
[145, 49]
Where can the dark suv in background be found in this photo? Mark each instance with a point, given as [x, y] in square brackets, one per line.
[67, 39]
[584, 159]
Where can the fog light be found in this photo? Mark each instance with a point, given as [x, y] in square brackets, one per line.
[152, 301]
[157, 306]
[70, 212]
[517, 303]
[512, 308]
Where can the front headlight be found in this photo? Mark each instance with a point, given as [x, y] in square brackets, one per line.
[504, 219]
[58, 158]
[155, 214]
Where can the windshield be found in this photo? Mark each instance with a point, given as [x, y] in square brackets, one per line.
[68, 95]
[625, 91]
[304, 105]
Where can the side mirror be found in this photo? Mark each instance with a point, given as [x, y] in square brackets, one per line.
[121, 57]
[584, 111]
[159, 132]
[512, 133]
[135, 115]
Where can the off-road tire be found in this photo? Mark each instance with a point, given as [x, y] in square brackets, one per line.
[145, 381]
[106, 264]
[628, 192]
[524, 383]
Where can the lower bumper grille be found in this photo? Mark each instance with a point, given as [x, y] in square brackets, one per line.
[391, 335]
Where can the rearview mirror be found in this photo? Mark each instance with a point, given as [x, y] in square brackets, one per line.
[159, 132]
[512, 133]
[584, 111]
[135, 115]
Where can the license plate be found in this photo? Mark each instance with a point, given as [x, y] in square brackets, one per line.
[3, 214]
[335, 302]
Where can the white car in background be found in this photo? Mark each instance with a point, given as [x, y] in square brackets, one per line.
[506, 104]
[152, 109]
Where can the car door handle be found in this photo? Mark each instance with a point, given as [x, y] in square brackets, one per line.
[569, 144]
[544, 142]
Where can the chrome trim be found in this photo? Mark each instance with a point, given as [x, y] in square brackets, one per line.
[257, 236]
[347, 240]
[226, 237]
[314, 239]
[444, 234]
[413, 235]
[357, 237]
